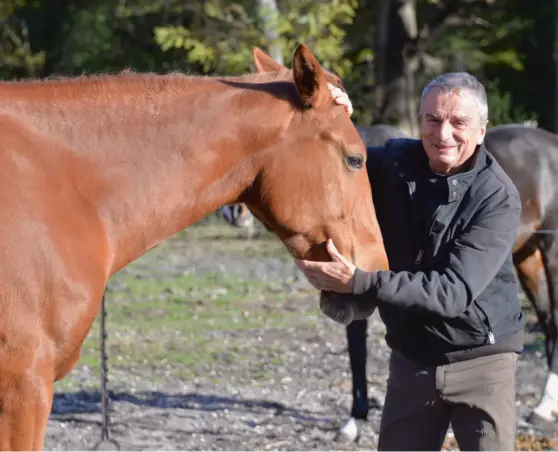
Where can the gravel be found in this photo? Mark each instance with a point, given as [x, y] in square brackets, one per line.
[299, 405]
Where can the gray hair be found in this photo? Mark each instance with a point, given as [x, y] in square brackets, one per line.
[453, 80]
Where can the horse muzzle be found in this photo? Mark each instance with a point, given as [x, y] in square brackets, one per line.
[344, 308]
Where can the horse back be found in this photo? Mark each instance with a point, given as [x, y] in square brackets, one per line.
[530, 158]
[378, 134]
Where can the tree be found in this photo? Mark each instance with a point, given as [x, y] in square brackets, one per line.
[425, 37]
[269, 17]
[224, 34]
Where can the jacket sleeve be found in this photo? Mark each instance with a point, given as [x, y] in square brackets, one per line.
[472, 260]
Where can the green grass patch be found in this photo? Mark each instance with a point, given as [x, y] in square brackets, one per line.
[217, 235]
[180, 326]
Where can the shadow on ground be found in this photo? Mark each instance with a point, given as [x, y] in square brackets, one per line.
[66, 405]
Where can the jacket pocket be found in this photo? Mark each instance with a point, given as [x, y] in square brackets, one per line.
[484, 321]
[466, 330]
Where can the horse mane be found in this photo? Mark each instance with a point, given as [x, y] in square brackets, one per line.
[149, 78]
[149, 83]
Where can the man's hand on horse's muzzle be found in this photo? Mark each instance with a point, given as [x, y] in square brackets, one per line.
[334, 276]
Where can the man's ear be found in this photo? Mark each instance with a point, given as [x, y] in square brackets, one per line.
[481, 133]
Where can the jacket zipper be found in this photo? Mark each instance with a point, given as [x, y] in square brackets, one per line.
[420, 254]
[418, 259]
[487, 330]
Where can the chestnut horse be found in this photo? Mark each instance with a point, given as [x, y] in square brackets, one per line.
[239, 215]
[530, 157]
[98, 170]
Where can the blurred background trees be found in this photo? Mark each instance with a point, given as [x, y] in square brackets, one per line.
[385, 50]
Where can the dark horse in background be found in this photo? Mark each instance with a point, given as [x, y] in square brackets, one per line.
[530, 157]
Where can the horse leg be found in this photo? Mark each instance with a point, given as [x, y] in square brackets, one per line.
[532, 277]
[26, 393]
[545, 306]
[251, 228]
[356, 338]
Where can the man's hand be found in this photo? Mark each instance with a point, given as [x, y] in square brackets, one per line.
[341, 97]
[334, 276]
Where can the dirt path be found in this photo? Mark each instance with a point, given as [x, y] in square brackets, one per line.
[270, 386]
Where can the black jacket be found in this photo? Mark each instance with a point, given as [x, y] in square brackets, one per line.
[451, 292]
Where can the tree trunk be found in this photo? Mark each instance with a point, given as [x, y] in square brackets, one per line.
[398, 64]
[380, 47]
[269, 13]
[556, 66]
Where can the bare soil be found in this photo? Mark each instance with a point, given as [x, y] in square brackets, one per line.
[290, 391]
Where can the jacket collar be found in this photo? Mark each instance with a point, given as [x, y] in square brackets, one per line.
[407, 158]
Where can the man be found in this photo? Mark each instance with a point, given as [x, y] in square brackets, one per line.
[449, 216]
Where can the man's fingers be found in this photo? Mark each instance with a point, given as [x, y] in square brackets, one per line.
[337, 93]
[340, 97]
[335, 254]
[308, 267]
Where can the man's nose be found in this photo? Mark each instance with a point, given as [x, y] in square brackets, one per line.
[445, 130]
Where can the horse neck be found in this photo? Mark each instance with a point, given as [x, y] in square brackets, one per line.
[155, 154]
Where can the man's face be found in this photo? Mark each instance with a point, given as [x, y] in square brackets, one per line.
[450, 129]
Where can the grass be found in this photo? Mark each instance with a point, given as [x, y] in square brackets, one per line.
[212, 233]
[182, 325]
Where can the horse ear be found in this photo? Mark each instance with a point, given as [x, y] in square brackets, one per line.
[310, 79]
[264, 63]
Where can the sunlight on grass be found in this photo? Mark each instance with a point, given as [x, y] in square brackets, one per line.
[183, 323]
[166, 322]
[214, 234]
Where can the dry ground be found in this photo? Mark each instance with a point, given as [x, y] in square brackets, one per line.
[215, 343]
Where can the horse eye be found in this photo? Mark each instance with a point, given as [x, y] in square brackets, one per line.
[355, 161]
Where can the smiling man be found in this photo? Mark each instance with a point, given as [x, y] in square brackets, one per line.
[449, 216]
[453, 125]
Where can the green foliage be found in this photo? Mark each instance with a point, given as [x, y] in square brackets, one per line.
[180, 37]
[16, 55]
[93, 31]
[484, 35]
[229, 31]
[493, 40]
[9, 7]
[500, 107]
[321, 27]
[218, 41]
